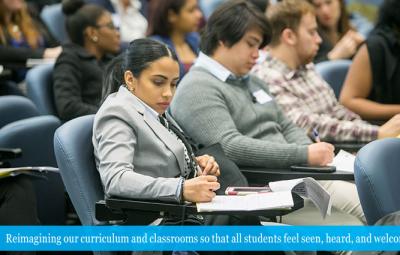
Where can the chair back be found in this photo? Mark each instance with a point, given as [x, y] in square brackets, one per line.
[39, 82]
[35, 137]
[54, 19]
[377, 176]
[13, 108]
[74, 153]
[334, 73]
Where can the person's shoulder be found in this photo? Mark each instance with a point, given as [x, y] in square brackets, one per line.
[259, 82]
[197, 81]
[116, 107]
[197, 75]
[193, 36]
[193, 39]
[71, 53]
[381, 36]
[266, 72]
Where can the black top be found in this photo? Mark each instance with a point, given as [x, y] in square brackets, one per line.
[324, 48]
[77, 80]
[384, 54]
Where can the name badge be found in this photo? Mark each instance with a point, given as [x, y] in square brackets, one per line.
[261, 96]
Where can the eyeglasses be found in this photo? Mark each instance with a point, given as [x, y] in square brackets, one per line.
[109, 25]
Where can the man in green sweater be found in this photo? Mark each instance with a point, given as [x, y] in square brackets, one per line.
[218, 101]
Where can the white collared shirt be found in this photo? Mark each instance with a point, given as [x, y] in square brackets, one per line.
[148, 108]
[213, 66]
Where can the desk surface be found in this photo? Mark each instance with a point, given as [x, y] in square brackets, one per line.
[348, 146]
[257, 175]
[136, 208]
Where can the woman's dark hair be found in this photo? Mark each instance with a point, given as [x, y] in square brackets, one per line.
[389, 14]
[158, 16]
[113, 76]
[79, 17]
[230, 21]
[136, 58]
[262, 5]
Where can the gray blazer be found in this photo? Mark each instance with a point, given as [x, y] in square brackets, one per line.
[136, 156]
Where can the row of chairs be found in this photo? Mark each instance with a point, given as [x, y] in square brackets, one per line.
[21, 126]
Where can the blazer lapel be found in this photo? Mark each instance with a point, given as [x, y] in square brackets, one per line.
[166, 137]
[159, 130]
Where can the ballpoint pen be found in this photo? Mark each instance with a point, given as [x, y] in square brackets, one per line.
[316, 135]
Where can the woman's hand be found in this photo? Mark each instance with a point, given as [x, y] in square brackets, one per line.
[347, 46]
[208, 165]
[390, 128]
[200, 189]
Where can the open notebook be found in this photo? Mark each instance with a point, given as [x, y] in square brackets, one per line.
[279, 197]
[253, 202]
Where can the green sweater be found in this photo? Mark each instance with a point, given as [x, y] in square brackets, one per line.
[212, 111]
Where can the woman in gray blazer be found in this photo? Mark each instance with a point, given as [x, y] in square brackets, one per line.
[140, 151]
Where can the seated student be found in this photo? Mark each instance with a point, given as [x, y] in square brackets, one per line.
[22, 37]
[175, 22]
[303, 94]
[78, 70]
[340, 39]
[131, 127]
[127, 16]
[132, 23]
[219, 101]
[372, 86]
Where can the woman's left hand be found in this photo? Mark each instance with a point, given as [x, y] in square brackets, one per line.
[208, 165]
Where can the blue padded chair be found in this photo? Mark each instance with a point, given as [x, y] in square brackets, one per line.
[334, 73]
[13, 108]
[74, 153]
[35, 137]
[54, 19]
[75, 158]
[377, 176]
[39, 82]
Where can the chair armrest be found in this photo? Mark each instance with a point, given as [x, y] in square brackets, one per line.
[10, 153]
[105, 214]
[261, 176]
[135, 210]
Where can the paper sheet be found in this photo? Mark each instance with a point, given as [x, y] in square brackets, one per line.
[260, 201]
[309, 188]
[344, 161]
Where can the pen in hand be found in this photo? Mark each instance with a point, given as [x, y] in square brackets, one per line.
[316, 135]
